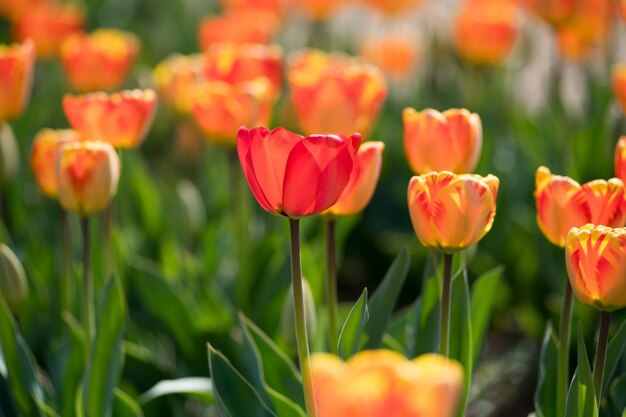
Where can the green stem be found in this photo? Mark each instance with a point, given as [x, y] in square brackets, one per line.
[88, 297]
[107, 238]
[299, 316]
[331, 285]
[66, 287]
[444, 315]
[598, 365]
[564, 343]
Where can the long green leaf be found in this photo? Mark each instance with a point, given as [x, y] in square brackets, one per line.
[616, 348]
[426, 316]
[545, 394]
[484, 295]
[461, 332]
[586, 395]
[350, 336]
[616, 395]
[124, 405]
[384, 300]
[105, 356]
[199, 387]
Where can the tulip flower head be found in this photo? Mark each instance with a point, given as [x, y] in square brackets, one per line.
[553, 12]
[622, 8]
[587, 30]
[100, 60]
[275, 6]
[448, 141]
[395, 55]
[562, 203]
[384, 383]
[297, 176]
[620, 159]
[16, 74]
[44, 155]
[450, 212]
[317, 9]
[596, 265]
[393, 8]
[13, 282]
[355, 199]
[14, 9]
[239, 27]
[87, 176]
[121, 119]
[175, 78]
[335, 93]
[619, 85]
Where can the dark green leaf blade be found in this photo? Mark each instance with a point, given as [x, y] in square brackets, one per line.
[350, 336]
[545, 394]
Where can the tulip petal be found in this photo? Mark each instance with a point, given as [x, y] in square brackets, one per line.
[245, 158]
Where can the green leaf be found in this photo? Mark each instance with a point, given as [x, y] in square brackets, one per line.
[616, 348]
[581, 400]
[483, 298]
[200, 387]
[545, 394]
[105, 356]
[350, 336]
[616, 394]
[283, 406]
[426, 326]
[124, 405]
[274, 369]
[461, 331]
[234, 396]
[70, 361]
[384, 300]
[21, 368]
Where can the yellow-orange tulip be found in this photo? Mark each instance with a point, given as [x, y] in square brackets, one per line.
[586, 30]
[100, 60]
[234, 63]
[562, 203]
[240, 27]
[87, 176]
[48, 25]
[448, 141]
[485, 31]
[121, 119]
[554, 12]
[355, 199]
[175, 78]
[619, 85]
[596, 265]
[220, 109]
[384, 383]
[620, 159]
[333, 93]
[450, 212]
[392, 8]
[395, 55]
[16, 74]
[43, 157]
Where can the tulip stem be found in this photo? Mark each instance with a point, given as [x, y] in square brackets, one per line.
[598, 366]
[66, 293]
[444, 315]
[88, 308]
[299, 316]
[107, 228]
[564, 343]
[331, 285]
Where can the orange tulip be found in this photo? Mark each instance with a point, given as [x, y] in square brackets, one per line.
[562, 204]
[43, 157]
[335, 93]
[297, 176]
[586, 30]
[485, 31]
[175, 78]
[394, 7]
[596, 265]
[275, 6]
[620, 159]
[354, 200]
[622, 8]
[16, 75]
[121, 119]
[448, 141]
[14, 9]
[220, 109]
[396, 56]
[619, 85]
[237, 63]
[87, 176]
[384, 383]
[240, 27]
[450, 212]
[554, 12]
[317, 9]
[100, 60]
[48, 25]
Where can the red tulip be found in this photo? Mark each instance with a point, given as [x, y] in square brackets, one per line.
[16, 74]
[297, 176]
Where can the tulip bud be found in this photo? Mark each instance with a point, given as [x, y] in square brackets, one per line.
[9, 153]
[255, 26]
[13, 283]
[44, 155]
[586, 30]
[287, 324]
[619, 85]
[16, 74]
[395, 55]
[87, 176]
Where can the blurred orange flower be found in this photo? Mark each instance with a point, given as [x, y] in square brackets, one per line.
[237, 63]
[619, 85]
[48, 25]
[241, 27]
[562, 203]
[355, 199]
[121, 119]
[275, 6]
[87, 176]
[175, 78]
[220, 109]
[395, 55]
[384, 383]
[100, 60]
[485, 31]
[450, 212]
[393, 7]
[554, 12]
[586, 30]
[620, 159]
[448, 141]
[334, 93]
[44, 155]
[596, 265]
[16, 74]
[622, 7]
[14, 9]
[317, 9]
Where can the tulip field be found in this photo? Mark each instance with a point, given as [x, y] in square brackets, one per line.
[312, 208]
